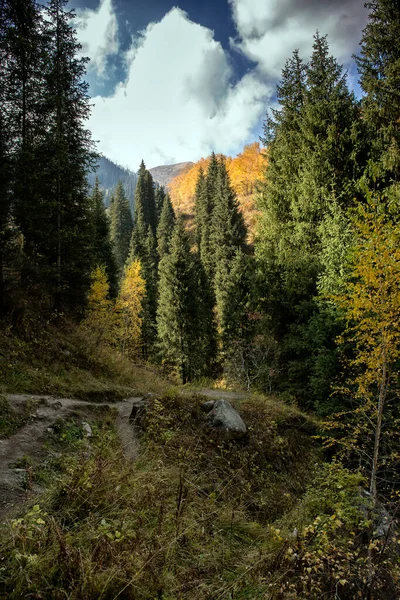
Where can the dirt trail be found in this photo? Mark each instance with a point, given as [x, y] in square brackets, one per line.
[28, 441]
[219, 394]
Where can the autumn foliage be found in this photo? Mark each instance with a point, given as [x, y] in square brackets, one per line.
[244, 170]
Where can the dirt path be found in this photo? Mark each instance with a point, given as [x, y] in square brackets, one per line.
[28, 441]
[220, 394]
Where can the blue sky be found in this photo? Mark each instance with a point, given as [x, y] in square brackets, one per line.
[173, 82]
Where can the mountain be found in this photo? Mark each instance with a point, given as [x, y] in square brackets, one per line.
[109, 174]
[164, 174]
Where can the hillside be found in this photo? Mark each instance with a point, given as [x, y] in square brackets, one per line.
[109, 174]
[244, 170]
[164, 174]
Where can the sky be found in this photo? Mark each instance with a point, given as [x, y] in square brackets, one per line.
[173, 82]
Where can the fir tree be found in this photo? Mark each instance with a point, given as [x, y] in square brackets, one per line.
[120, 227]
[149, 262]
[180, 324]
[165, 227]
[312, 163]
[379, 67]
[102, 247]
[159, 196]
[67, 154]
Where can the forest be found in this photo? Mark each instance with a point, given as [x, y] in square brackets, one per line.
[276, 274]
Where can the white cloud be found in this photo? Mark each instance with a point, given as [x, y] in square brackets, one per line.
[177, 102]
[97, 31]
[270, 30]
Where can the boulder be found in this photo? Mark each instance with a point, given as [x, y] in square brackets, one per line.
[207, 406]
[224, 417]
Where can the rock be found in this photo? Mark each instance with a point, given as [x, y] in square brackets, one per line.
[139, 408]
[87, 429]
[207, 406]
[225, 418]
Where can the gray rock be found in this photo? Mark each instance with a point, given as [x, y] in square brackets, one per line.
[87, 429]
[207, 406]
[225, 418]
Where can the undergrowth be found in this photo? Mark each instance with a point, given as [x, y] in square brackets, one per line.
[196, 516]
[60, 359]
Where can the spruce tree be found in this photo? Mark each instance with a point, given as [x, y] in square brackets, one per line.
[22, 74]
[159, 197]
[312, 162]
[180, 325]
[102, 246]
[379, 67]
[120, 226]
[165, 227]
[149, 262]
[67, 151]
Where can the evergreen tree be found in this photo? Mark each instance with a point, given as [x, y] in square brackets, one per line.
[160, 194]
[149, 262]
[22, 68]
[165, 227]
[102, 247]
[180, 322]
[145, 204]
[379, 68]
[205, 199]
[312, 163]
[120, 226]
[66, 153]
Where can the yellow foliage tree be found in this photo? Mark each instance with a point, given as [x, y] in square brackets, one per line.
[371, 306]
[245, 170]
[100, 317]
[129, 308]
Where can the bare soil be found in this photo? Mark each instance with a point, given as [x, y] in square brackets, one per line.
[27, 444]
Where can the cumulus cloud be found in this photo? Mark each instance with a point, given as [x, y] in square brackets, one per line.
[269, 31]
[177, 102]
[97, 31]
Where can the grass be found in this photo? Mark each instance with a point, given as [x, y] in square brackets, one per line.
[12, 419]
[190, 519]
[64, 362]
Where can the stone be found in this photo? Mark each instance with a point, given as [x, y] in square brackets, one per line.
[225, 418]
[87, 429]
[207, 406]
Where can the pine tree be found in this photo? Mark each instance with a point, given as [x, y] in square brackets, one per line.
[159, 196]
[379, 67]
[67, 154]
[149, 262]
[312, 162]
[179, 317]
[102, 247]
[120, 226]
[205, 200]
[165, 227]
[22, 48]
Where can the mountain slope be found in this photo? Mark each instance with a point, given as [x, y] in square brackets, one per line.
[109, 174]
[165, 173]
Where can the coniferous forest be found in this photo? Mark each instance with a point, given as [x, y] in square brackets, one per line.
[300, 311]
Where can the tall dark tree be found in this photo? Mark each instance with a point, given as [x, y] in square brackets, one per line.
[121, 226]
[22, 75]
[159, 197]
[379, 67]
[313, 162]
[165, 227]
[102, 246]
[67, 154]
[180, 320]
